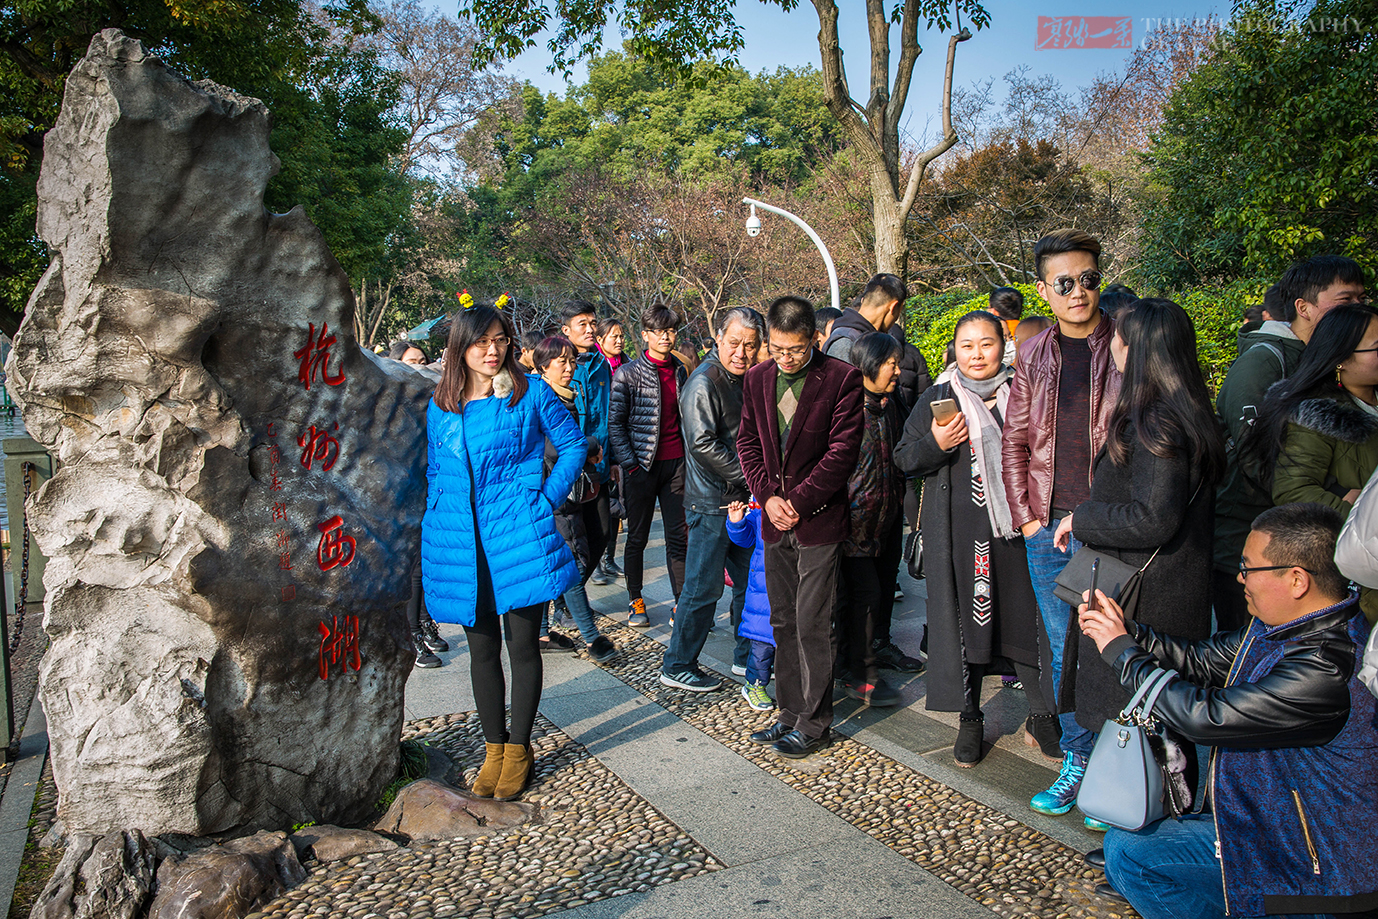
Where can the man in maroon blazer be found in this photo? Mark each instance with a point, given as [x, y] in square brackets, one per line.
[798, 442]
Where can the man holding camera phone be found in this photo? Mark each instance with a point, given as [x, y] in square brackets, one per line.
[1064, 389]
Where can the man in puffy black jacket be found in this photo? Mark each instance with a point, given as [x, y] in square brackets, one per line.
[1295, 757]
[710, 410]
[644, 430]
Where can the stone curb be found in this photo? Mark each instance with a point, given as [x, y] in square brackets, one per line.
[17, 804]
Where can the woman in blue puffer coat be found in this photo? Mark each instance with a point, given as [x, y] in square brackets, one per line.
[489, 549]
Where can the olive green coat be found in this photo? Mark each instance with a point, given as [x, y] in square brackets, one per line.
[1331, 447]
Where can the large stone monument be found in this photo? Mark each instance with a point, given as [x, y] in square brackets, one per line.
[237, 507]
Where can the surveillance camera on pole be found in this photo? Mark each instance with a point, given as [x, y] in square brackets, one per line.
[753, 228]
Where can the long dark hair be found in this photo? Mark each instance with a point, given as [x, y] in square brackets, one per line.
[1333, 341]
[465, 329]
[1163, 394]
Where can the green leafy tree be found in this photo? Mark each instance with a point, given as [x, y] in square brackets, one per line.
[674, 33]
[1269, 150]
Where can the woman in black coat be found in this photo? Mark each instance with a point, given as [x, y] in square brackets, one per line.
[1152, 491]
[982, 615]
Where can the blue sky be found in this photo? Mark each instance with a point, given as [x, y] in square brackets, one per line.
[775, 38]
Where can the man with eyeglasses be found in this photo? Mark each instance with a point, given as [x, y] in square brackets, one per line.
[1289, 827]
[1308, 290]
[798, 442]
[1061, 398]
[644, 430]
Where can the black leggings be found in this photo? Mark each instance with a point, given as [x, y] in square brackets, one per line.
[1027, 674]
[485, 672]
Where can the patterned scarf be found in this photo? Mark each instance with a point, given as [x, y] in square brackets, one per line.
[985, 440]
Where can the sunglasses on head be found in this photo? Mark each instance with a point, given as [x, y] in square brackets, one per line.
[1063, 285]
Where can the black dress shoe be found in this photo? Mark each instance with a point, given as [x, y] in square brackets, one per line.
[796, 745]
[1096, 858]
[771, 734]
[1110, 893]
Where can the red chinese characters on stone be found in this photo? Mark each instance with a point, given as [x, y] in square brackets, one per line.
[340, 645]
[315, 358]
[335, 548]
[318, 445]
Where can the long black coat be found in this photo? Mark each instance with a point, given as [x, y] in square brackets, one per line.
[1134, 509]
[918, 454]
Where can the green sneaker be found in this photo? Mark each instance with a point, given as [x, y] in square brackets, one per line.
[755, 696]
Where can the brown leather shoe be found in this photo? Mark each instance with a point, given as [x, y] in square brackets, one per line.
[489, 772]
[518, 766]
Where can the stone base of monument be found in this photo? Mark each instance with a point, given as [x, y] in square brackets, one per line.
[126, 875]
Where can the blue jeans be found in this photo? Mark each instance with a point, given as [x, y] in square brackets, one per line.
[1046, 562]
[577, 602]
[709, 552]
[1168, 870]
[761, 664]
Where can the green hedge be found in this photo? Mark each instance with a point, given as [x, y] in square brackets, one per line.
[1215, 311]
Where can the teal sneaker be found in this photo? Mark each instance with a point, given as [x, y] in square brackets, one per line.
[1095, 826]
[1062, 794]
[756, 696]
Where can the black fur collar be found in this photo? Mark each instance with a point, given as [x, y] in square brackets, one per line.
[1337, 418]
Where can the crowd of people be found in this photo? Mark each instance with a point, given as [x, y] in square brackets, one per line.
[787, 461]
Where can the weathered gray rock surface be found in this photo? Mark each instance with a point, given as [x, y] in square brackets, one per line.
[426, 811]
[227, 881]
[109, 877]
[239, 498]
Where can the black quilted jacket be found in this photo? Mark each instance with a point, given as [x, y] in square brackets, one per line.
[634, 412]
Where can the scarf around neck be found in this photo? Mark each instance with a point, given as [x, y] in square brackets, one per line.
[564, 392]
[985, 436]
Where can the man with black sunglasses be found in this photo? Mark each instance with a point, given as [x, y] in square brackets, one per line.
[1063, 392]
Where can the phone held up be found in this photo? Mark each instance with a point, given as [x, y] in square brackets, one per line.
[944, 410]
[1095, 576]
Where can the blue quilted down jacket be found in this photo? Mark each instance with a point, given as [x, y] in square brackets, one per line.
[756, 613]
[529, 561]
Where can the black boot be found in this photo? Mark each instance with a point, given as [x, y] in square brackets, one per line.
[1045, 732]
[967, 750]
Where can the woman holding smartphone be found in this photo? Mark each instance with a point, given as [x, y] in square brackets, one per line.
[982, 615]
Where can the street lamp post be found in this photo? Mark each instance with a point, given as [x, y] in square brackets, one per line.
[753, 227]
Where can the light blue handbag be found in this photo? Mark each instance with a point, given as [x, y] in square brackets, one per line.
[1123, 785]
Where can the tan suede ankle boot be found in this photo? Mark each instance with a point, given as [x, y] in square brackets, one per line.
[490, 771]
[518, 765]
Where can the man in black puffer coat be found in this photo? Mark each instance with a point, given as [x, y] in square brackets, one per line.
[644, 431]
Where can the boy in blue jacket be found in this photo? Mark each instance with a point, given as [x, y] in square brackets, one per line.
[744, 529]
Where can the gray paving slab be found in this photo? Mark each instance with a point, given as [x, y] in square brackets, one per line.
[17, 803]
[846, 877]
[716, 796]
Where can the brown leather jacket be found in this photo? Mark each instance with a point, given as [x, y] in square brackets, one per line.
[1031, 419]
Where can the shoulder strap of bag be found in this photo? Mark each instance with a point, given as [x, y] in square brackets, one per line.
[1157, 691]
[1150, 689]
[1194, 495]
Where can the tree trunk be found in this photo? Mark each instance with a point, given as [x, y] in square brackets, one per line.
[892, 245]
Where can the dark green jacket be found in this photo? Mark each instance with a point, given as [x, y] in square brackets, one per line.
[1239, 498]
[1330, 449]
